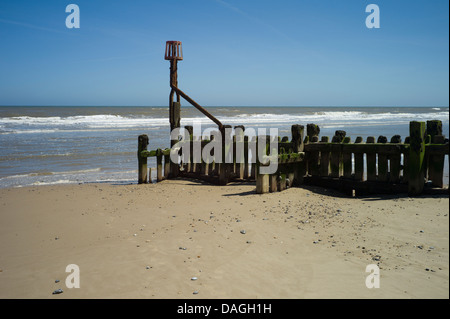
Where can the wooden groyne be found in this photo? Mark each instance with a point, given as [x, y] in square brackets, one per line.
[376, 165]
[371, 166]
[380, 165]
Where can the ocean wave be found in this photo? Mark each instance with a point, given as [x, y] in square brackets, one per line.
[89, 121]
[69, 177]
[45, 173]
[36, 125]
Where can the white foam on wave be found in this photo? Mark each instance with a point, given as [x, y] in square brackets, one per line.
[90, 121]
[75, 177]
[35, 125]
[38, 174]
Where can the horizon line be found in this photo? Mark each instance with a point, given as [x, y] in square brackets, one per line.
[234, 106]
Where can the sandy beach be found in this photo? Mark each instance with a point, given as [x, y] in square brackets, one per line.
[151, 241]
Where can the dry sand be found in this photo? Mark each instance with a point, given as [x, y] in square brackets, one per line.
[148, 241]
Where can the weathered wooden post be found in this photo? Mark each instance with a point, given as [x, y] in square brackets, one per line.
[254, 149]
[195, 167]
[297, 132]
[273, 183]
[312, 131]
[227, 149]
[405, 168]
[416, 178]
[371, 157]
[359, 161]
[239, 151]
[159, 165]
[174, 53]
[324, 168]
[262, 183]
[347, 159]
[142, 160]
[382, 160]
[394, 161]
[314, 157]
[246, 147]
[262, 180]
[190, 159]
[435, 162]
[336, 164]
[282, 183]
[290, 174]
[167, 164]
[213, 166]
[434, 128]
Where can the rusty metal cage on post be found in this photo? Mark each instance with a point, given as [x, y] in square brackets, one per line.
[174, 50]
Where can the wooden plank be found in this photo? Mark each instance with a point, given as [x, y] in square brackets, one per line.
[290, 176]
[213, 168]
[387, 149]
[203, 169]
[435, 149]
[166, 166]
[246, 163]
[254, 146]
[239, 150]
[404, 177]
[324, 168]
[286, 147]
[335, 157]
[196, 163]
[371, 158]
[297, 137]
[382, 162]
[436, 164]
[282, 182]
[347, 160]
[416, 170]
[262, 182]
[395, 162]
[313, 158]
[159, 166]
[312, 130]
[434, 128]
[273, 183]
[190, 159]
[360, 187]
[142, 160]
[359, 162]
[150, 175]
[146, 153]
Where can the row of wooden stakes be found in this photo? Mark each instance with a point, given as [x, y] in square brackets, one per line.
[374, 166]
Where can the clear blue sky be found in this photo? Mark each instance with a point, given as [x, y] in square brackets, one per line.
[236, 52]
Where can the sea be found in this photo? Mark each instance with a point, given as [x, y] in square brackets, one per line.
[48, 145]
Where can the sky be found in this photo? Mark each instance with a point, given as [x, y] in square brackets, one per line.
[236, 53]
